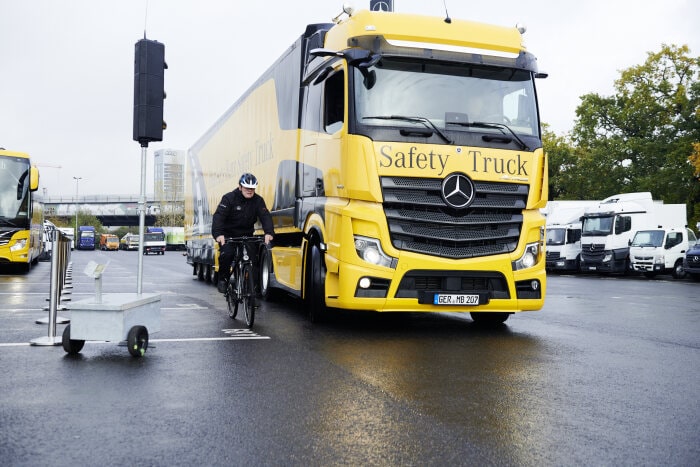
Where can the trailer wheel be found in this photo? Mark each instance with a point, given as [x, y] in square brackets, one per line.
[71, 346]
[137, 341]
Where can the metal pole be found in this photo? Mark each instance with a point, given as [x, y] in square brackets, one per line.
[77, 180]
[51, 338]
[142, 217]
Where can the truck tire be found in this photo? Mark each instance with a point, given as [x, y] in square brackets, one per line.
[316, 285]
[265, 268]
[678, 271]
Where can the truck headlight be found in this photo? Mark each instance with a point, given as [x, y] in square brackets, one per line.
[370, 250]
[607, 257]
[529, 258]
[19, 244]
[659, 260]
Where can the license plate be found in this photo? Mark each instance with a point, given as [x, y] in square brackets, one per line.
[455, 299]
[591, 268]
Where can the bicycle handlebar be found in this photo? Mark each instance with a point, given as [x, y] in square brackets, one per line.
[252, 239]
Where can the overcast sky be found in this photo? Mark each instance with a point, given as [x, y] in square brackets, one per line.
[66, 80]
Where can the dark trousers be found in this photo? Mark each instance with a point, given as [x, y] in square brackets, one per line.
[228, 254]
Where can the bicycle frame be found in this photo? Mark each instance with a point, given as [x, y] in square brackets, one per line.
[241, 286]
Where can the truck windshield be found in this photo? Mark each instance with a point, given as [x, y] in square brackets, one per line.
[14, 191]
[433, 91]
[556, 236]
[597, 226]
[653, 238]
[154, 237]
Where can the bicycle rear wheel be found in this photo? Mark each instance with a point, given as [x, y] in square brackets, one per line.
[248, 295]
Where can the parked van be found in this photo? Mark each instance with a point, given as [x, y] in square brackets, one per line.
[109, 242]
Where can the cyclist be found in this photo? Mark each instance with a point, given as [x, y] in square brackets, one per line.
[235, 216]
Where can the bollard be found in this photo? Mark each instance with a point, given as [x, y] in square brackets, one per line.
[58, 264]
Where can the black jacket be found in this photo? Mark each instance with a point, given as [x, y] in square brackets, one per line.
[236, 215]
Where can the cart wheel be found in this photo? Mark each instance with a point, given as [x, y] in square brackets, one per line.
[137, 341]
[71, 346]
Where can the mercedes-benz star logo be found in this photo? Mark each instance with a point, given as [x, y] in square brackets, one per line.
[457, 190]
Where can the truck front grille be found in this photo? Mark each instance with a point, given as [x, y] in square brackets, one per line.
[593, 251]
[553, 255]
[420, 221]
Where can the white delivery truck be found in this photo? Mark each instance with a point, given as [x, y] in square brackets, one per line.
[609, 227]
[661, 250]
[564, 234]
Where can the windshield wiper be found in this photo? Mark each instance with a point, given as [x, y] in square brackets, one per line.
[425, 121]
[6, 221]
[499, 126]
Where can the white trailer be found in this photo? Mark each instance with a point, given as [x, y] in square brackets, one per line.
[609, 227]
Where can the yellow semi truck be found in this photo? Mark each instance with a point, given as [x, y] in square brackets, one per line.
[402, 161]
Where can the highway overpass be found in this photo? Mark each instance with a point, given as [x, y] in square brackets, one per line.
[111, 210]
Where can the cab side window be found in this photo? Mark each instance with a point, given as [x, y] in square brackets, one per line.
[334, 103]
[674, 238]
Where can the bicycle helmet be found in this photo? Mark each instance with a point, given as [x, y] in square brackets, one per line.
[248, 180]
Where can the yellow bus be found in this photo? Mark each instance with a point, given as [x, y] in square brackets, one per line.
[21, 235]
[401, 158]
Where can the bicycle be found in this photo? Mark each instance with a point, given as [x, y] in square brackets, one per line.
[241, 285]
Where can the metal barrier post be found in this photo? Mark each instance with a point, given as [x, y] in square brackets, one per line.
[51, 338]
[60, 254]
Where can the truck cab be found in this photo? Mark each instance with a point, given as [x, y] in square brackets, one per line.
[129, 242]
[86, 237]
[563, 239]
[564, 247]
[109, 242]
[661, 251]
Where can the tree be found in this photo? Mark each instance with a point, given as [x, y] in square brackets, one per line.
[645, 136]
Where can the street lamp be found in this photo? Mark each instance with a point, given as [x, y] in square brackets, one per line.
[77, 180]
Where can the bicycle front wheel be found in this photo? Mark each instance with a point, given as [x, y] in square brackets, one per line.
[248, 295]
[232, 299]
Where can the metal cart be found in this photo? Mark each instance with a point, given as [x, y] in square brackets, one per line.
[126, 317]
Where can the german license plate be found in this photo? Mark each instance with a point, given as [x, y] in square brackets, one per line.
[455, 299]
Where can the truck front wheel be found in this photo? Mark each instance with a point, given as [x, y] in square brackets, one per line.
[316, 285]
[678, 271]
